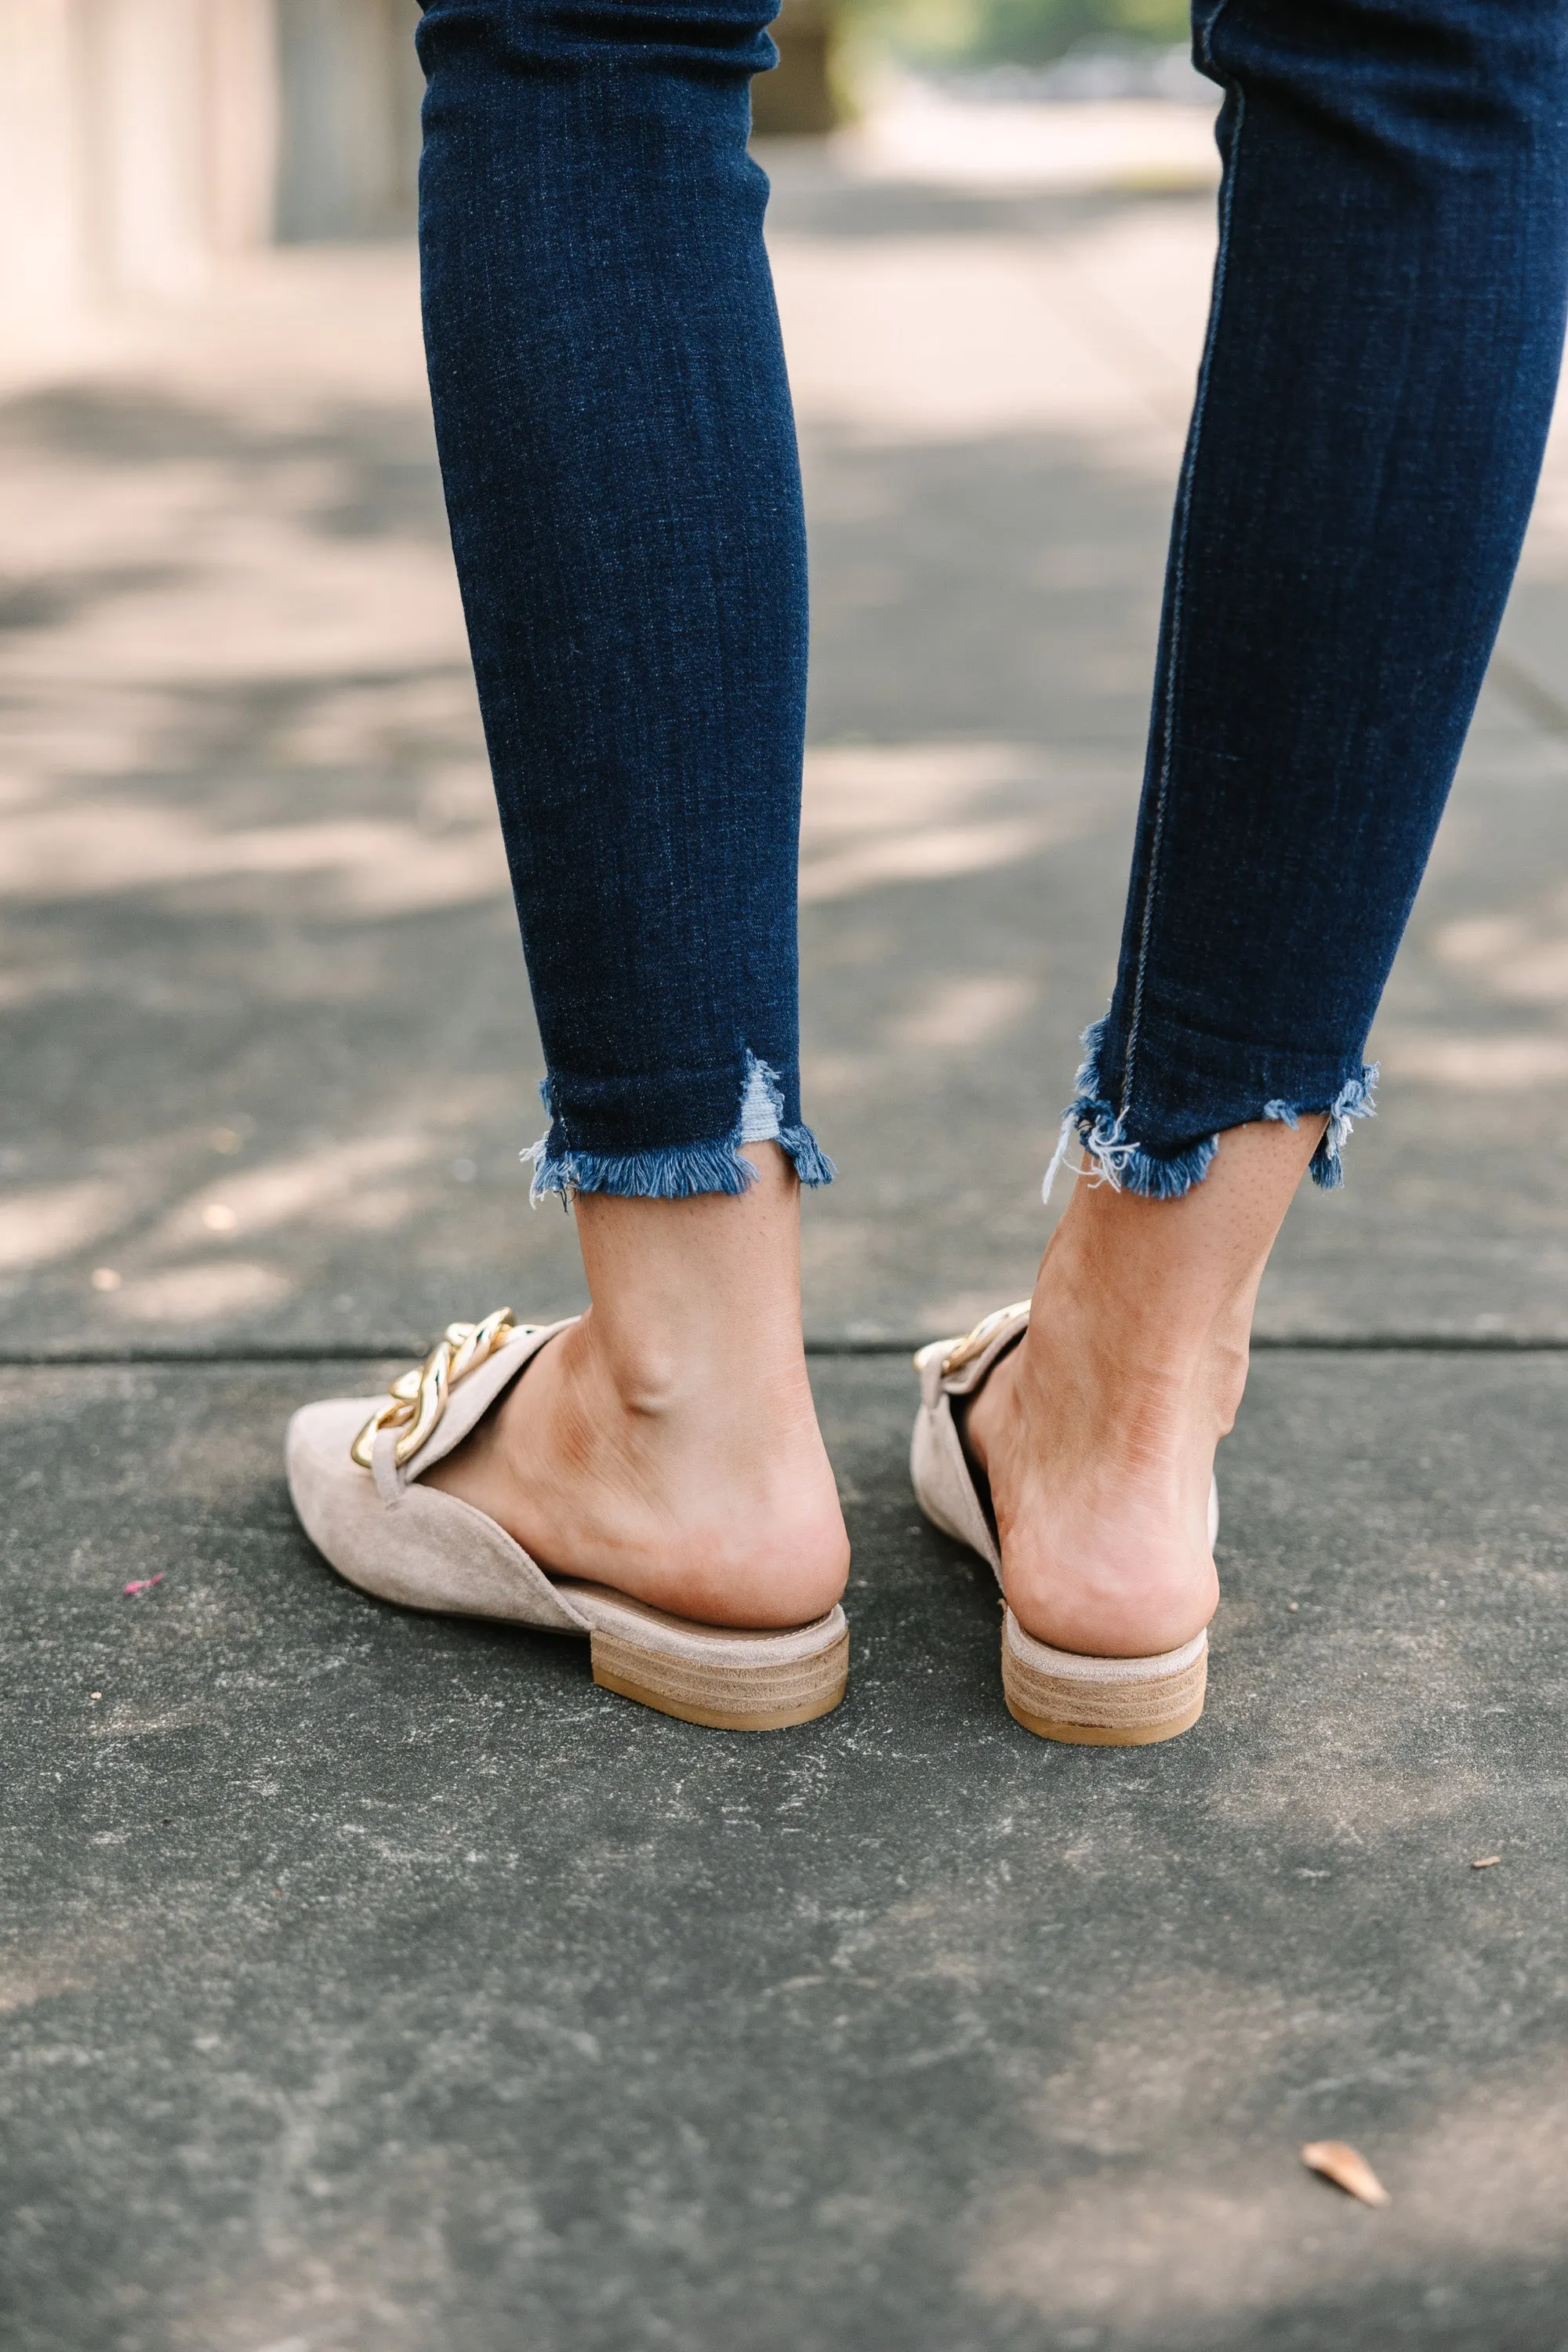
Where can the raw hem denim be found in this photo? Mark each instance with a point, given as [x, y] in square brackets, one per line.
[617, 449]
[1093, 1121]
[677, 1173]
[1385, 339]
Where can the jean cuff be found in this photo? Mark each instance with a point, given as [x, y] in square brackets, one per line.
[1119, 1161]
[679, 1172]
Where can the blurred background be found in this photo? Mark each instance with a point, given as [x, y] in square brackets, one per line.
[149, 139]
[269, 1056]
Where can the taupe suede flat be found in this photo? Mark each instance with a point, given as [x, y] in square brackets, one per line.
[355, 1468]
[1060, 1694]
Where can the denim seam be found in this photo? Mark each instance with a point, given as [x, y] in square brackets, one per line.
[1179, 574]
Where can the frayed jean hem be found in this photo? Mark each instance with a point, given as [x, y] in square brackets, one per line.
[681, 1171]
[1119, 1161]
[1353, 1101]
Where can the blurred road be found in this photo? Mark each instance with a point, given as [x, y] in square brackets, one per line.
[375, 1984]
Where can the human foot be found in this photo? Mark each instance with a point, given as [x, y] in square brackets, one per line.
[1096, 1433]
[667, 1444]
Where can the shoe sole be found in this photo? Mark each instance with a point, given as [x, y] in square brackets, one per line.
[1095, 1734]
[724, 1677]
[1101, 1702]
[724, 1697]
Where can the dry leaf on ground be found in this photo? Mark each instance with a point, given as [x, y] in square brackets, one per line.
[1346, 2167]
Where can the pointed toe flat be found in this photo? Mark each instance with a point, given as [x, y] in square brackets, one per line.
[356, 1474]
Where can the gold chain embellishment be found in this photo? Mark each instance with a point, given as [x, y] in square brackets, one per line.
[416, 1400]
[974, 1343]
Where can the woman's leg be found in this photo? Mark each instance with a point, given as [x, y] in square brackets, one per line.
[1383, 348]
[618, 454]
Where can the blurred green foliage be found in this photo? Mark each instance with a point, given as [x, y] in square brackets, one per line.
[1022, 32]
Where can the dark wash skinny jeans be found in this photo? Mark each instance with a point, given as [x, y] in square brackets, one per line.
[619, 450]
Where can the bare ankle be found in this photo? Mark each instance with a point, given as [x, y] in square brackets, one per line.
[638, 1373]
[667, 1443]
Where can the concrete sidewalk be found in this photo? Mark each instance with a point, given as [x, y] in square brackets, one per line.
[376, 1982]
[370, 1981]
